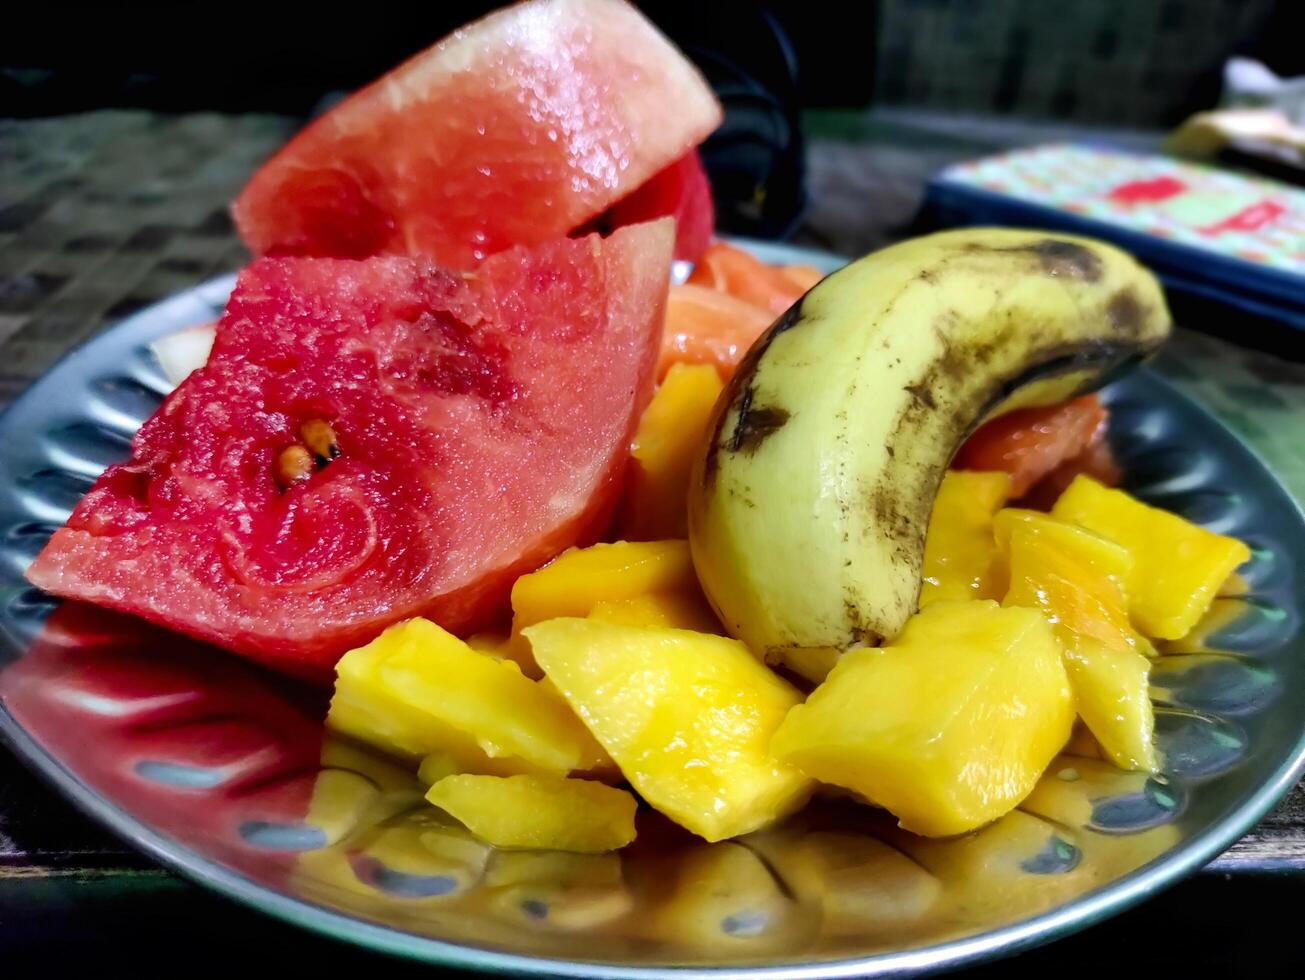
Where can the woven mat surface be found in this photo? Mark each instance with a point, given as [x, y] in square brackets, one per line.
[104, 213]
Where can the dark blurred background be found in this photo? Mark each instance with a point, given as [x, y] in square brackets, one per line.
[784, 70]
[1143, 63]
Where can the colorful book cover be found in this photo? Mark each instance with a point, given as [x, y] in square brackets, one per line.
[1233, 215]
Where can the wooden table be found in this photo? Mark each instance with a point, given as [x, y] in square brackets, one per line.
[103, 213]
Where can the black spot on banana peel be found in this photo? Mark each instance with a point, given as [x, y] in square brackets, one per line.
[737, 400]
[753, 423]
[1064, 258]
[1057, 257]
[841, 420]
[1125, 312]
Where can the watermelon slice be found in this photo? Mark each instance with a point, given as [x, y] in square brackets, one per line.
[376, 439]
[680, 191]
[514, 130]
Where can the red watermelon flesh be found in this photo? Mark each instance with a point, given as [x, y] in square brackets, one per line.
[513, 130]
[482, 422]
[681, 191]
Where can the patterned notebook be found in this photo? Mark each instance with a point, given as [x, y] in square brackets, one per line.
[1206, 229]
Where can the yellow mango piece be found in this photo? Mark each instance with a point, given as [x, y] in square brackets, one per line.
[556, 890]
[367, 710]
[670, 431]
[505, 646]
[539, 812]
[1083, 743]
[576, 580]
[1178, 567]
[1076, 578]
[490, 642]
[687, 716]
[595, 763]
[669, 610]
[1112, 692]
[1234, 586]
[449, 698]
[508, 714]
[960, 554]
[1223, 612]
[363, 718]
[949, 727]
[580, 578]
[438, 764]
[1103, 556]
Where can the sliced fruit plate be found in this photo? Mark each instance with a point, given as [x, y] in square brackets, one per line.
[788, 616]
[227, 774]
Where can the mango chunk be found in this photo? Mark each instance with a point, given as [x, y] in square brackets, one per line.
[580, 578]
[363, 708]
[1077, 579]
[687, 716]
[1178, 567]
[596, 764]
[506, 646]
[949, 727]
[539, 812]
[669, 610]
[670, 431]
[436, 765]
[1112, 692]
[418, 685]
[576, 580]
[368, 720]
[490, 642]
[507, 713]
[960, 554]
[1083, 743]
[1108, 559]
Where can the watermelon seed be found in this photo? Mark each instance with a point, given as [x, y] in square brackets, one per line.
[294, 464]
[320, 438]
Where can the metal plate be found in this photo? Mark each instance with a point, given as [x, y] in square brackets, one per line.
[225, 773]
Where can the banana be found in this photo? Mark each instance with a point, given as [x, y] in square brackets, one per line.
[810, 499]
